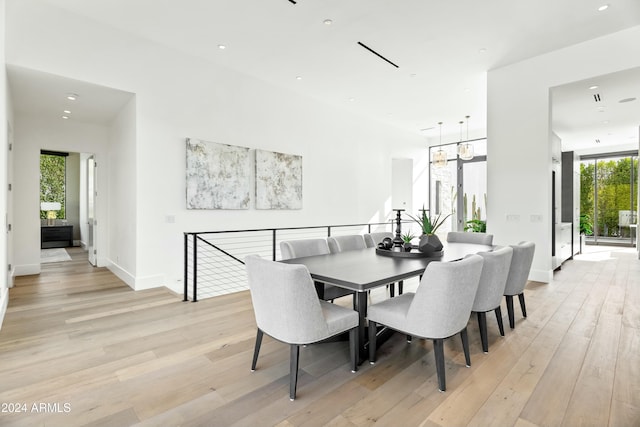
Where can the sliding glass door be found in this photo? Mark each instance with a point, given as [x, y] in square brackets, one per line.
[609, 199]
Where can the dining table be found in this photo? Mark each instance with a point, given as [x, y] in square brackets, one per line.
[362, 270]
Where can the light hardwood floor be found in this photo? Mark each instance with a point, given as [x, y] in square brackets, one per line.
[95, 353]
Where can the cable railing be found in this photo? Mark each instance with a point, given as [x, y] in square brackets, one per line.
[213, 260]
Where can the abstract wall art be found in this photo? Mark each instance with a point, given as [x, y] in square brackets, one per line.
[218, 175]
[278, 180]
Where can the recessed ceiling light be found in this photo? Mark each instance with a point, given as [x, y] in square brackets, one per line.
[298, 77]
[67, 112]
[222, 46]
[594, 87]
[622, 101]
[351, 99]
[327, 22]
[65, 117]
[603, 7]
[72, 96]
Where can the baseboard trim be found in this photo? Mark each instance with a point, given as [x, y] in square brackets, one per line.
[27, 269]
[544, 276]
[4, 302]
[122, 274]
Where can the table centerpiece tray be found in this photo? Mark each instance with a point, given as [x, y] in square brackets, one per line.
[413, 253]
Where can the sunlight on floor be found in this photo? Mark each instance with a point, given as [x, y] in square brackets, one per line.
[602, 253]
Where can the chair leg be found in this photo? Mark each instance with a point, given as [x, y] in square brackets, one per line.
[498, 312]
[438, 351]
[409, 338]
[465, 346]
[293, 370]
[372, 341]
[482, 325]
[400, 286]
[512, 320]
[353, 348]
[392, 289]
[256, 349]
[522, 305]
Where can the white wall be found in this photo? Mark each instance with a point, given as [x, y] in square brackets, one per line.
[4, 175]
[519, 137]
[31, 134]
[122, 196]
[346, 159]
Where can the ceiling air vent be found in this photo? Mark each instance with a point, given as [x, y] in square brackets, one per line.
[293, 1]
[596, 97]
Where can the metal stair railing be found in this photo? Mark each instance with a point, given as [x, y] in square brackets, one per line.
[213, 260]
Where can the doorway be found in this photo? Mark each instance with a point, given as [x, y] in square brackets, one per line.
[608, 198]
[67, 195]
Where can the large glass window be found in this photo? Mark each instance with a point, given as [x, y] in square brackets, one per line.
[608, 198]
[459, 188]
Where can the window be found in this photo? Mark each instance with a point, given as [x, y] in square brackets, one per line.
[53, 167]
[459, 188]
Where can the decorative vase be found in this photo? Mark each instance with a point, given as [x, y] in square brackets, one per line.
[429, 243]
[407, 246]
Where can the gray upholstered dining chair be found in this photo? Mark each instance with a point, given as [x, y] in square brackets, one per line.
[309, 247]
[439, 309]
[346, 243]
[518, 275]
[287, 308]
[493, 279]
[466, 237]
[371, 240]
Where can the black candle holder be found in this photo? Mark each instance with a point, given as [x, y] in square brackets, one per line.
[397, 240]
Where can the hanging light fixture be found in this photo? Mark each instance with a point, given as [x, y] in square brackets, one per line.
[465, 150]
[440, 156]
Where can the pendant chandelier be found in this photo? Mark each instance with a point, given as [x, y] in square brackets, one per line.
[440, 156]
[465, 150]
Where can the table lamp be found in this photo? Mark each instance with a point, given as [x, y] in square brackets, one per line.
[52, 208]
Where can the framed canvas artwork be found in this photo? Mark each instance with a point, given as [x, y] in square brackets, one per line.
[218, 175]
[278, 180]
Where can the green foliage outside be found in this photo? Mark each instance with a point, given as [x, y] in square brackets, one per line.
[614, 194]
[52, 182]
[476, 226]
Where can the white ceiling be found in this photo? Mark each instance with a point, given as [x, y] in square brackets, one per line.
[37, 93]
[442, 50]
[594, 119]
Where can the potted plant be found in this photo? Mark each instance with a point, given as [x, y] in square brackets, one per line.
[429, 242]
[586, 226]
[407, 238]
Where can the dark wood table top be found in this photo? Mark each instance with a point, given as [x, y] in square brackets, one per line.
[361, 270]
